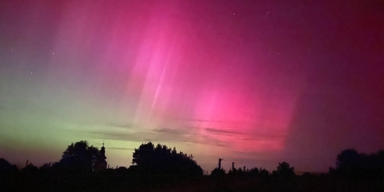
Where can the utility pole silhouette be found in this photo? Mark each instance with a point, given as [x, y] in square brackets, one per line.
[233, 166]
[220, 159]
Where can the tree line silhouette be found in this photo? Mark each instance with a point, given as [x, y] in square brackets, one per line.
[163, 160]
[84, 168]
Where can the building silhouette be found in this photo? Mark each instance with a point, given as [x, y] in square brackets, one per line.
[101, 163]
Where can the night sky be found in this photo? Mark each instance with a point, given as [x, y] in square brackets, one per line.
[254, 82]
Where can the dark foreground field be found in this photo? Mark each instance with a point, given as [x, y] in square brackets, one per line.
[163, 170]
[151, 183]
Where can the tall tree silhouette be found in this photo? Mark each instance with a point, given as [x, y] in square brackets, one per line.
[163, 160]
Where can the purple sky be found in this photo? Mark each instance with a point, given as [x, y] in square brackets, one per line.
[255, 82]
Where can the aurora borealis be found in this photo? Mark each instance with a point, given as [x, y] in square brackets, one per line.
[255, 82]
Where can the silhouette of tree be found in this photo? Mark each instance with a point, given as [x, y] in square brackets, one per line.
[240, 171]
[6, 167]
[217, 172]
[163, 160]
[307, 175]
[284, 170]
[30, 168]
[78, 158]
[379, 163]
[354, 165]
[263, 173]
[232, 172]
[349, 163]
[347, 159]
[143, 157]
[121, 170]
[254, 172]
[46, 168]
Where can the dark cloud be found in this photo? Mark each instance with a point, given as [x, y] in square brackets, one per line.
[224, 132]
[264, 134]
[121, 125]
[172, 131]
[120, 148]
[118, 135]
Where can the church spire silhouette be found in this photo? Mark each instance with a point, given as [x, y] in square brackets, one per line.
[101, 163]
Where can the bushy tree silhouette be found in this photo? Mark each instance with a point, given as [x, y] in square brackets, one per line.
[78, 158]
[352, 164]
[264, 173]
[347, 159]
[163, 160]
[285, 170]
